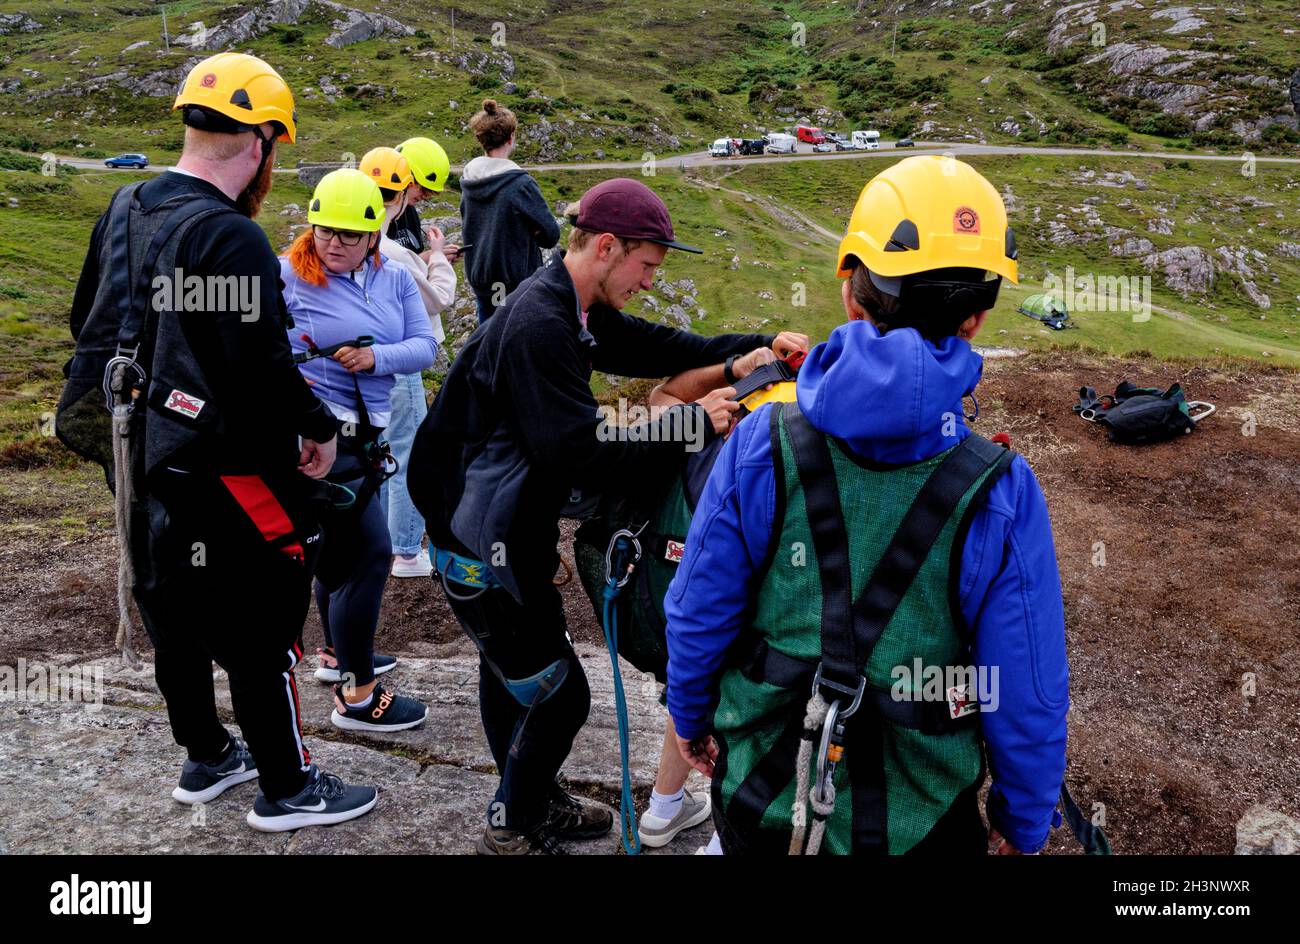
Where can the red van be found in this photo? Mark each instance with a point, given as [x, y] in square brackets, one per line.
[810, 135]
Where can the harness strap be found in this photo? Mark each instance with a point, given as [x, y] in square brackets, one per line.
[765, 664]
[1090, 835]
[257, 500]
[772, 372]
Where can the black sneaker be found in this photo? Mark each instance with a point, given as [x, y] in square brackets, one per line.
[386, 712]
[324, 801]
[328, 670]
[570, 819]
[496, 841]
[203, 782]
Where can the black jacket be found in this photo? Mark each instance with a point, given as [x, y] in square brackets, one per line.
[506, 225]
[515, 426]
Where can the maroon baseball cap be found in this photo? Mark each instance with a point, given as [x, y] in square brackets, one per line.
[630, 209]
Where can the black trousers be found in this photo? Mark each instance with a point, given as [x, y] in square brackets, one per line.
[212, 589]
[529, 747]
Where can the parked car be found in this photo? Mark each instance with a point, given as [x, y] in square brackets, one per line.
[127, 160]
[778, 143]
[826, 147]
[809, 134]
[752, 145]
[904, 142]
[722, 148]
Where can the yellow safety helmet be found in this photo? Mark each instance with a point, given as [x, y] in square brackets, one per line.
[928, 212]
[347, 199]
[242, 89]
[387, 167]
[429, 163]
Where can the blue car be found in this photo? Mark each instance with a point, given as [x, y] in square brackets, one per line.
[127, 160]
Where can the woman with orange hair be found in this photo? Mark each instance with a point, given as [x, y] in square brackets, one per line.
[357, 322]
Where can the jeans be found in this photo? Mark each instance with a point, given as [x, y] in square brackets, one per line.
[485, 307]
[405, 526]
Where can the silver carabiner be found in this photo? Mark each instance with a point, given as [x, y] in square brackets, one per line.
[634, 536]
[823, 751]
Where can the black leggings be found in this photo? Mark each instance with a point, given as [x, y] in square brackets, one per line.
[520, 641]
[351, 577]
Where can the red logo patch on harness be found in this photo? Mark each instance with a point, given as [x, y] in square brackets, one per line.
[966, 220]
[674, 551]
[960, 704]
[185, 404]
[209, 80]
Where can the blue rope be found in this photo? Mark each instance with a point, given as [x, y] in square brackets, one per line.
[609, 621]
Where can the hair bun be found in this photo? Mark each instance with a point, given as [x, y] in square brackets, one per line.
[490, 106]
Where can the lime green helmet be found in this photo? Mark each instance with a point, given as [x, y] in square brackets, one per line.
[347, 199]
[428, 162]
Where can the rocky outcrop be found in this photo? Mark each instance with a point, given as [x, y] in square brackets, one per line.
[350, 25]
[1241, 262]
[1262, 831]
[17, 23]
[1187, 269]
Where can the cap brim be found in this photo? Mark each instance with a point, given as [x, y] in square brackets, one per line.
[674, 244]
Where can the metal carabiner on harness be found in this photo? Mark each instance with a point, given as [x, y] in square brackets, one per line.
[111, 396]
[634, 537]
[831, 750]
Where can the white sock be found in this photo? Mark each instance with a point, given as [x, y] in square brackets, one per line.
[358, 705]
[666, 806]
[714, 847]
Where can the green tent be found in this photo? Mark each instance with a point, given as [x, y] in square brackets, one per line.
[1047, 309]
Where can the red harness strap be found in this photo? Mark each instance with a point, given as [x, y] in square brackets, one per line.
[265, 511]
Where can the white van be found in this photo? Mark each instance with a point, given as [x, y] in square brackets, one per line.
[778, 143]
[866, 140]
[721, 148]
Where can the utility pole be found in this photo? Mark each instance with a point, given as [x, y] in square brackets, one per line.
[453, 27]
[166, 39]
[893, 46]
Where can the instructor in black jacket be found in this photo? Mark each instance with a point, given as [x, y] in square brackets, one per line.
[513, 431]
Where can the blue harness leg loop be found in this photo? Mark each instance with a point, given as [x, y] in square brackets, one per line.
[621, 558]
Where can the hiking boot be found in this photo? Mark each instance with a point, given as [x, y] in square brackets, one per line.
[386, 711]
[417, 566]
[203, 782]
[325, 800]
[655, 831]
[570, 819]
[497, 841]
[328, 670]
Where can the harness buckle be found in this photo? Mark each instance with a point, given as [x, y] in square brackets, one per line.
[855, 693]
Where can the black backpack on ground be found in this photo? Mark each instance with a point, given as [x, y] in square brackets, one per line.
[1141, 415]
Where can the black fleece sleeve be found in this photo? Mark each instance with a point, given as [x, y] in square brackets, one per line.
[559, 423]
[634, 347]
[252, 353]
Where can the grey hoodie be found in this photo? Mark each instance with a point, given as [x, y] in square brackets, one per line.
[506, 224]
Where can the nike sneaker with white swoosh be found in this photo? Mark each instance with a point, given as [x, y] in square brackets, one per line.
[324, 801]
[203, 782]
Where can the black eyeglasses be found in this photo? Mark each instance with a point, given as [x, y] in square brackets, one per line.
[346, 237]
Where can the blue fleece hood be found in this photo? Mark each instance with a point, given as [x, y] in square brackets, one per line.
[892, 397]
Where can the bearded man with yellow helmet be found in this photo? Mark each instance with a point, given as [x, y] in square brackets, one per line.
[218, 442]
[859, 543]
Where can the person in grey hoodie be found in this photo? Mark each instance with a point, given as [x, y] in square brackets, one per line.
[506, 221]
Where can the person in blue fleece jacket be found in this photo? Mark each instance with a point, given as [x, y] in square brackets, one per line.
[888, 386]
